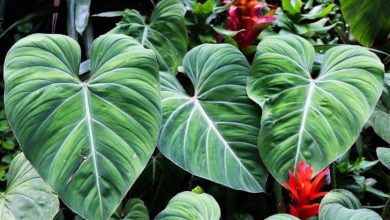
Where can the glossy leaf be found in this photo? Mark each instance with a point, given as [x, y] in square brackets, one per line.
[367, 19]
[191, 205]
[380, 118]
[384, 156]
[342, 204]
[213, 133]
[134, 209]
[27, 196]
[315, 119]
[165, 34]
[89, 139]
[81, 14]
[282, 217]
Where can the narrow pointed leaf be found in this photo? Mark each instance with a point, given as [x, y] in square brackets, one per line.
[165, 33]
[82, 14]
[342, 204]
[213, 133]
[27, 196]
[190, 205]
[315, 119]
[89, 139]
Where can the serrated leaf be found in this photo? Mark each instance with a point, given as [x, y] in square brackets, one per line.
[27, 196]
[315, 119]
[213, 133]
[88, 139]
[342, 204]
[190, 205]
[165, 34]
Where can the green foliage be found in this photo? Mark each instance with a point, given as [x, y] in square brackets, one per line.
[191, 205]
[134, 209]
[368, 19]
[165, 33]
[27, 196]
[213, 132]
[306, 108]
[282, 217]
[384, 156]
[342, 204]
[312, 19]
[80, 135]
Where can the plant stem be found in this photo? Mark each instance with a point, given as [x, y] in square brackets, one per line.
[333, 173]
[386, 210]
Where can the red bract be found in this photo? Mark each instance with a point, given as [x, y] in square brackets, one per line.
[304, 191]
[246, 15]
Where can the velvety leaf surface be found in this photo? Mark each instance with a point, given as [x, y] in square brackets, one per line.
[165, 33]
[282, 217]
[315, 119]
[190, 205]
[342, 204]
[27, 196]
[213, 133]
[383, 154]
[367, 19]
[89, 139]
[134, 209]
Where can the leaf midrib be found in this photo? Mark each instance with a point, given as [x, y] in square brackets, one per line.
[88, 118]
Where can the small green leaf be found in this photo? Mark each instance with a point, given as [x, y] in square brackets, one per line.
[27, 196]
[134, 209]
[190, 205]
[384, 156]
[342, 204]
[282, 217]
[82, 14]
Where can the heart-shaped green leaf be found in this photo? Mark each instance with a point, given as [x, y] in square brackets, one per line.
[27, 196]
[89, 139]
[311, 118]
[190, 205]
[165, 34]
[383, 154]
[213, 133]
[342, 204]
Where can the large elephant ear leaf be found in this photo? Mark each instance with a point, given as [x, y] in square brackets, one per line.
[165, 34]
[191, 205]
[367, 18]
[309, 115]
[213, 133]
[91, 139]
[26, 196]
[134, 209]
[342, 204]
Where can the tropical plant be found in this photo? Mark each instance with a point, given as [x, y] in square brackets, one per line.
[178, 115]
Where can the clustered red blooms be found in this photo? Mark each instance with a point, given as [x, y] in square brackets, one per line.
[304, 191]
[246, 15]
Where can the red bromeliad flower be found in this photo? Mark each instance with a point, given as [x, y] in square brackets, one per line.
[304, 191]
[246, 15]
